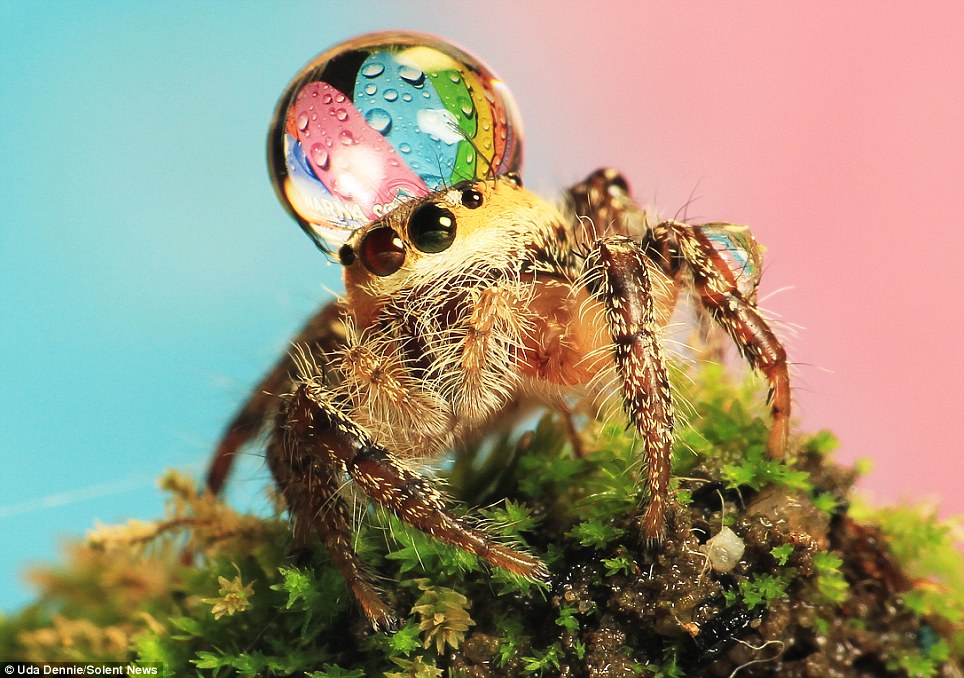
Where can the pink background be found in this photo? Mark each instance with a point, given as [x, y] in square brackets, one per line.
[835, 131]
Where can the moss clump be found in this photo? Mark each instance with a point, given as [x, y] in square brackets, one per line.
[799, 583]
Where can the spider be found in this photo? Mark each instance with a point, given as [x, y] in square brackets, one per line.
[466, 296]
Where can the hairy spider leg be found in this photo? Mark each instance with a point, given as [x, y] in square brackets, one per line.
[322, 334]
[604, 199]
[618, 276]
[310, 487]
[719, 293]
[313, 427]
[602, 202]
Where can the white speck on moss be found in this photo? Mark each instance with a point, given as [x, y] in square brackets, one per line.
[724, 550]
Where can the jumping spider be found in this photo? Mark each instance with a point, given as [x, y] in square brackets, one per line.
[463, 300]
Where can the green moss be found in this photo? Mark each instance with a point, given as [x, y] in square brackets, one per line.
[245, 607]
[760, 590]
[782, 553]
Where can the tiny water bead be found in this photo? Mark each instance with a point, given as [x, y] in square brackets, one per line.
[319, 156]
[383, 119]
[379, 119]
[412, 75]
[372, 70]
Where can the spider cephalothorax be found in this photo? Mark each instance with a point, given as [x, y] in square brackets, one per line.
[466, 296]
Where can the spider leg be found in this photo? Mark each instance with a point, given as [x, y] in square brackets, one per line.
[323, 333]
[618, 276]
[310, 485]
[727, 290]
[604, 206]
[314, 428]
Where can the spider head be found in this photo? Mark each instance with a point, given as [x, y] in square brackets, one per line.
[457, 237]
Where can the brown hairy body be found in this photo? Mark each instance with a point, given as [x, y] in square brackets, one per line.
[459, 307]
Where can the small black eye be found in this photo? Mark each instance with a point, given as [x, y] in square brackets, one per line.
[346, 255]
[382, 251]
[471, 198]
[612, 178]
[431, 228]
[515, 178]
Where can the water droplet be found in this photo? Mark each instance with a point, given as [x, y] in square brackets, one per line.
[320, 156]
[379, 119]
[413, 75]
[365, 85]
[372, 70]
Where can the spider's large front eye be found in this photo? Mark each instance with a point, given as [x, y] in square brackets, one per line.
[382, 251]
[431, 228]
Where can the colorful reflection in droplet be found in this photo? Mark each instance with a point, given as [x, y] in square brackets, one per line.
[383, 119]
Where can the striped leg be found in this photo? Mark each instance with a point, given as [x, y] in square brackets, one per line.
[617, 275]
[317, 436]
[724, 262]
[310, 486]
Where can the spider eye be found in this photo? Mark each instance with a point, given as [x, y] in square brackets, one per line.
[431, 228]
[382, 251]
[346, 255]
[515, 178]
[471, 199]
